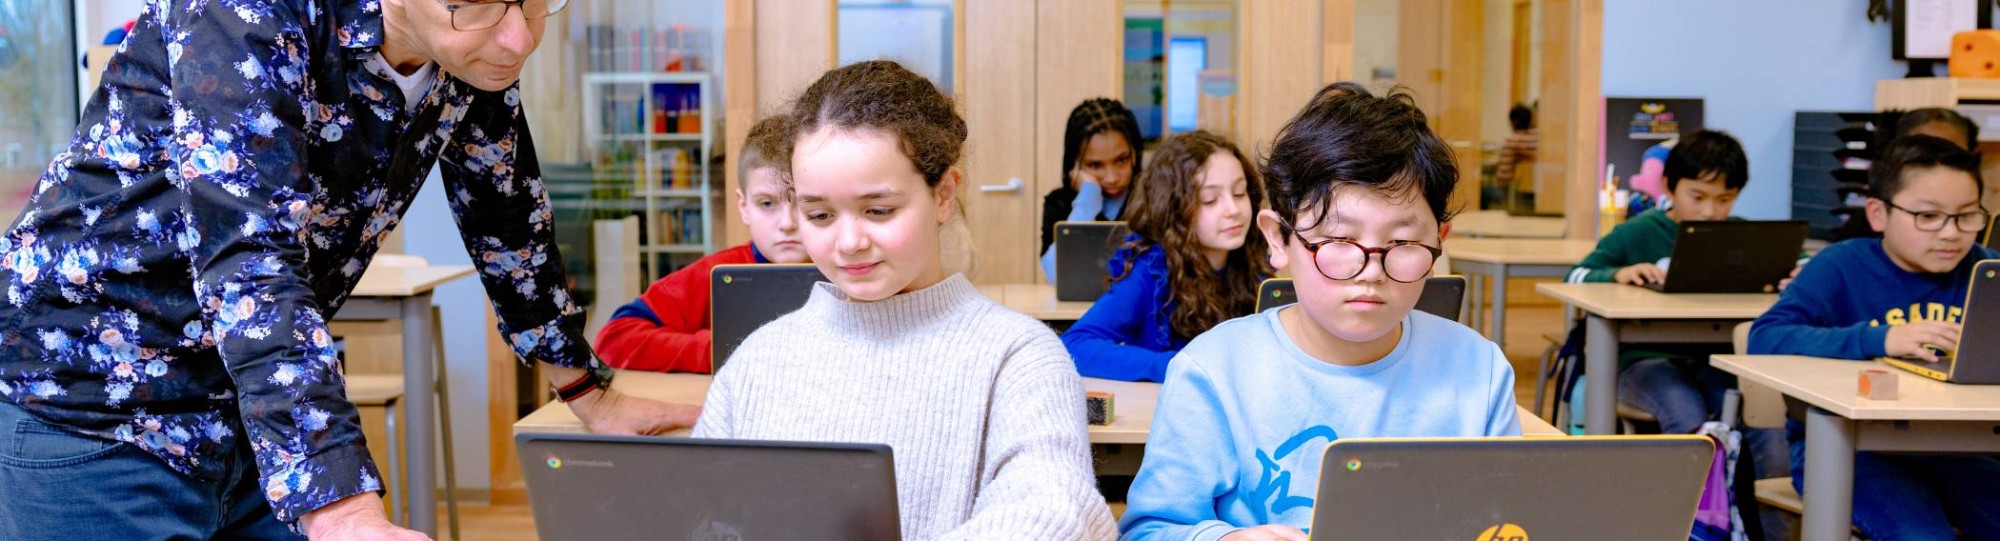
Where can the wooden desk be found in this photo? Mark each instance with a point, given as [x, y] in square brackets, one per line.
[1134, 407]
[1130, 424]
[1491, 261]
[1928, 415]
[1039, 301]
[1618, 313]
[1496, 223]
[403, 293]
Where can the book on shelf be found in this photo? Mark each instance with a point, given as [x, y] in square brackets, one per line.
[646, 48]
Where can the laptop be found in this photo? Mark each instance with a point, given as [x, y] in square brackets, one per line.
[1733, 256]
[1443, 295]
[587, 486]
[1631, 488]
[745, 297]
[1083, 251]
[1977, 360]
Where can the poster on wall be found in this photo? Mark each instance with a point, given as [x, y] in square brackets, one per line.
[1638, 133]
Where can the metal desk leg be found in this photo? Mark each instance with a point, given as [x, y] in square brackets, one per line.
[1500, 306]
[1601, 371]
[1478, 302]
[420, 426]
[1829, 482]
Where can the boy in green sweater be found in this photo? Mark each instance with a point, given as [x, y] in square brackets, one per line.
[1704, 174]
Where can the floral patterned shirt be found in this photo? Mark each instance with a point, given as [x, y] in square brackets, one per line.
[169, 282]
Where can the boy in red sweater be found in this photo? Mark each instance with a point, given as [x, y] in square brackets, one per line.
[666, 329]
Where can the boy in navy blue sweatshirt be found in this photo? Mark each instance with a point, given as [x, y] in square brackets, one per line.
[1900, 295]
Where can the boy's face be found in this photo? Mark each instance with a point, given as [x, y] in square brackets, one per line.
[774, 223]
[1701, 199]
[1370, 305]
[1926, 191]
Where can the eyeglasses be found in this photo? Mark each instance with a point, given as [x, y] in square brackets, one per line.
[475, 16]
[1343, 259]
[1933, 221]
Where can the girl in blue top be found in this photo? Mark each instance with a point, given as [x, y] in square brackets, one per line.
[1188, 265]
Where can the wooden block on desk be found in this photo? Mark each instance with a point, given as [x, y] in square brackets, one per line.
[1975, 53]
[1878, 384]
[1100, 407]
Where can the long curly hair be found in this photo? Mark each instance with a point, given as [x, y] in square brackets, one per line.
[1162, 213]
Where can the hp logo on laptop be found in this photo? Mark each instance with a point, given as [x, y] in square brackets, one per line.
[1504, 532]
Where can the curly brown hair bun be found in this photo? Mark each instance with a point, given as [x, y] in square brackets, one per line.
[883, 95]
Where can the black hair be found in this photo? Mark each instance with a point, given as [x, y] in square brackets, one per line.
[1708, 152]
[1095, 116]
[1347, 137]
[1910, 120]
[1521, 117]
[1885, 176]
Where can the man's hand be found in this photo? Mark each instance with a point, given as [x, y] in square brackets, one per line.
[606, 411]
[1641, 274]
[358, 517]
[1918, 338]
[1268, 532]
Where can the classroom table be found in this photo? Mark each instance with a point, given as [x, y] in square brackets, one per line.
[1132, 416]
[1039, 301]
[1133, 404]
[1618, 313]
[1498, 223]
[1492, 261]
[1927, 416]
[394, 292]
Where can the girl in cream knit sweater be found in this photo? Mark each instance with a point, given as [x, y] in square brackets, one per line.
[981, 406]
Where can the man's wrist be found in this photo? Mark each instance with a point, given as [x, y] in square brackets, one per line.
[358, 506]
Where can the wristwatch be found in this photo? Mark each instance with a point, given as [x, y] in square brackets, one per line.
[596, 376]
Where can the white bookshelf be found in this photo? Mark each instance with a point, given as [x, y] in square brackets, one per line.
[616, 145]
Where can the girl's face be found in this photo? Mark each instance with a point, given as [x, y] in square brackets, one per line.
[1222, 218]
[1369, 306]
[870, 222]
[1108, 158]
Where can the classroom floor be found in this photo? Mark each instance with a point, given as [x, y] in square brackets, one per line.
[1525, 325]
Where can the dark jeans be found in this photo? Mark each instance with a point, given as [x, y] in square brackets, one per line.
[1916, 497]
[63, 485]
[1684, 393]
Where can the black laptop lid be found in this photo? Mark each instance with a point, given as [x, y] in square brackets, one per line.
[584, 486]
[1443, 295]
[1083, 251]
[1977, 360]
[1734, 256]
[745, 297]
[1628, 488]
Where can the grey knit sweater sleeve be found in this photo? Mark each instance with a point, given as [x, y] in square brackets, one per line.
[1038, 479]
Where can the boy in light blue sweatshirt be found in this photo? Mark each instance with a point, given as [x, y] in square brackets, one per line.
[1358, 187]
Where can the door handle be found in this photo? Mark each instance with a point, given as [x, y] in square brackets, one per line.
[1012, 185]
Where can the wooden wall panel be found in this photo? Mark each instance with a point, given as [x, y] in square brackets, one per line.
[998, 50]
[774, 49]
[1282, 61]
[1572, 112]
[1337, 41]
